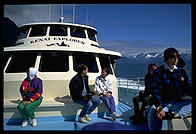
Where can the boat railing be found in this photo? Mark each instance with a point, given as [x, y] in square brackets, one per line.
[131, 83]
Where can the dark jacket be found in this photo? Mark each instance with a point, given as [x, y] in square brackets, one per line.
[170, 86]
[148, 84]
[76, 86]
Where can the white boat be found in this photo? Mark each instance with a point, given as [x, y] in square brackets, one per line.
[56, 49]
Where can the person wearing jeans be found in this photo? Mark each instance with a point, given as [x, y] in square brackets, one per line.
[171, 87]
[88, 106]
[81, 94]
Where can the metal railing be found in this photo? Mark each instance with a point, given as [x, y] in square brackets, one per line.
[131, 83]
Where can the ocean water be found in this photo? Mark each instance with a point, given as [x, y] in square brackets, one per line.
[130, 70]
[133, 71]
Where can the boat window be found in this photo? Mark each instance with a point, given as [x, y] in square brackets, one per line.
[58, 31]
[38, 31]
[88, 60]
[20, 62]
[54, 62]
[105, 62]
[77, 32]
[5, 58]
[23, 32]
[91, 35]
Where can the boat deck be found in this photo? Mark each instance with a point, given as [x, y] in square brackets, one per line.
[58, 123]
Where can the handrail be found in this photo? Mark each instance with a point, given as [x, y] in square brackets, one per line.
[131, 83]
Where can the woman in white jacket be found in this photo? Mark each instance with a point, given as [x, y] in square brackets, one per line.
[104, 87]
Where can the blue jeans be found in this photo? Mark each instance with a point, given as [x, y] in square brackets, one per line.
[109, 102]
[155, 123]
[88, 105]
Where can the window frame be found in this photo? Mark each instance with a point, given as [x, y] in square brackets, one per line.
[27, 28]
[95, 69]
[104, 64]
[77, 28]
[17, 64]
[36, 26]
[92, 32]
[47, 60]
[64, 26]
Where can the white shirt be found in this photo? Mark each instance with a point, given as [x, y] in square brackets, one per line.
[171, 70]
[103, 84]
[84, 92]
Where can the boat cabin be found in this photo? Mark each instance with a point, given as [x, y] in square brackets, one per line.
[56, 49]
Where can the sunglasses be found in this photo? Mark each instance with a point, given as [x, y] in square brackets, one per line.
[174, 56]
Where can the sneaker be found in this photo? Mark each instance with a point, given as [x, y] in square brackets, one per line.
[82, 119]
[34, 123]
[25, 123]
[115, 115]
[88, 117]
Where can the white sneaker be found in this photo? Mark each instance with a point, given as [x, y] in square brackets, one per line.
[82, 119]
[115, 115]
[25, 123]
[88, 117]
[34, 123]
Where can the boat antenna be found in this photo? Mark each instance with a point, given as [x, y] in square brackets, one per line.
[73, 12]
[49, 12]
[61, 9]
[61, 18]
[87, 17]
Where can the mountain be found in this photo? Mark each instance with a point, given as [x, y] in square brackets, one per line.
[144, 58]
[134, 67]
[140, 48]
[143, 52]
[11, 32]
[136, 57]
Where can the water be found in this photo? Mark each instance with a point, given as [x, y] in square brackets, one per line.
[126, 95]
[130, 71]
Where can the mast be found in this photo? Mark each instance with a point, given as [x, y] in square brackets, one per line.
[61, 18]
[61, 10]
[49, 12]
[73, 12]
[87, 17]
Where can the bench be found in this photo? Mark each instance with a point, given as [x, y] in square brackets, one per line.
[177, 124]
[62, 107]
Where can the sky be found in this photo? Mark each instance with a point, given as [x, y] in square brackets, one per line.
[134, 24]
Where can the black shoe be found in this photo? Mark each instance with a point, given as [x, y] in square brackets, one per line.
[168, 115]
[132, 117]
[139, 120]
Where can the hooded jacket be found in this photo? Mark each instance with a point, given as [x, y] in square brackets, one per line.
[31, 90]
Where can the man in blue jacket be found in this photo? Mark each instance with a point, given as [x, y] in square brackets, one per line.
[81, 94]
[170, 86]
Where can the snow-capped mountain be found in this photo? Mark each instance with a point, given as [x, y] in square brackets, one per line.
[143, 53]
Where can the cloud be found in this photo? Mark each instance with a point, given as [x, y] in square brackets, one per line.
[128, 49]
[22, 14]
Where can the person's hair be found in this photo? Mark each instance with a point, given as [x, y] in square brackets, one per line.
[151, 65]
[81, 67]
[169, 53]
[181, 63]
[106, 70]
